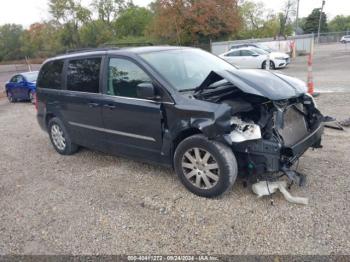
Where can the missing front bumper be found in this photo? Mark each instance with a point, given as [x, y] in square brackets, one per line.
[263, 156]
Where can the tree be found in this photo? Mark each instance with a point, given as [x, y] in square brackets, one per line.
[252, 14]
[191, 21]
[70, 14]
[95, 33]
[10, 41]
[340, 23]
[212, 19]
[285, 16]
[312, 21]
[133, 21]
[107, 10]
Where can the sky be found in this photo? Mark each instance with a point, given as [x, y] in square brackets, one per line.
[26, 12]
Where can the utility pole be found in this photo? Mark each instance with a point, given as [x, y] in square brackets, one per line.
[319, 23]
[297, 18]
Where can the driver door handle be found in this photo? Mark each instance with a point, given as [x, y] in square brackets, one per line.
[109, 106]
[92, 104]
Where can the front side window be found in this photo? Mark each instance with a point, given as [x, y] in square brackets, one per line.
[20, 79]
[123, 78]
[50, 75]
[83, 75]
[14, 79]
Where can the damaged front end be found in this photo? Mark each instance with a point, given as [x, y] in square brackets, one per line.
[272, 124]
[287, 129]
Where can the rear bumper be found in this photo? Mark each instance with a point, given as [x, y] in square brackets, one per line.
[41, 121]
[262, 156]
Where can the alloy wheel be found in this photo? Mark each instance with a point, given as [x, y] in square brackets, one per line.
[200, 168]
[10, 97]
[58, 137]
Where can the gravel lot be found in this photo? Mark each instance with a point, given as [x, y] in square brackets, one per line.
[92, 203]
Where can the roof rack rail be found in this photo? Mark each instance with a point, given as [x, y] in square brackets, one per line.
[79, 50]
[127, 44]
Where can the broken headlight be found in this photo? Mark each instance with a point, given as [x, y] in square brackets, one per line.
[243, 131]
[310, 98]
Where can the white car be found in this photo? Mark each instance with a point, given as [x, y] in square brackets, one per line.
[345, 39]
[252, 57]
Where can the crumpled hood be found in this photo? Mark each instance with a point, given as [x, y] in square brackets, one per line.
[274, 86]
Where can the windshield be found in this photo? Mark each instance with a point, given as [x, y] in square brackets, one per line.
[31, 77]
[185, 69]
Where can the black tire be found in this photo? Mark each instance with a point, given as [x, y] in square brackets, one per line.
[69, 147]
[272, 65]
[223, 157]
[10, 97]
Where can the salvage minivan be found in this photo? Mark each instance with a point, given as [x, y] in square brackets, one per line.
[180, 107]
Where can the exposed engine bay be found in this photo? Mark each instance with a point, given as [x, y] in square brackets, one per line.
[267, 134]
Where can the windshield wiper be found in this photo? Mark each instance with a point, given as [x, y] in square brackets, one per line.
[187, 90]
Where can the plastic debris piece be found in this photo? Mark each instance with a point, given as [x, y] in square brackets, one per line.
[265, 188]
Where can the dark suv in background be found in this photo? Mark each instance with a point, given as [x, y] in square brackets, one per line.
[180, 107]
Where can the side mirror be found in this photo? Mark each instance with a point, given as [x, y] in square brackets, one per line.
[145, 90]
[255, 55]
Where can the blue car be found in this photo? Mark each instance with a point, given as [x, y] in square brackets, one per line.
[22, 87]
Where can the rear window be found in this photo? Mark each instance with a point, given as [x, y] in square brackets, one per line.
[50, 75]
[83, 75]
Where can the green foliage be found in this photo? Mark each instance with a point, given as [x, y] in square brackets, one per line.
[10, 41]
[340, 23]
[259, 22]
[95, 33]
[133, 21]
[185, 22]
[312, 22]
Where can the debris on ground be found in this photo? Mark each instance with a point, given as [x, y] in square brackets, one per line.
[345, 122]
[265, 188]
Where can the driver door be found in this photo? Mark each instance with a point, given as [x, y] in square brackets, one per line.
[250, 61]
[133, 125]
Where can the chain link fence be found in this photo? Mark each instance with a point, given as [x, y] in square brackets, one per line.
[302, 44]
[332, 37]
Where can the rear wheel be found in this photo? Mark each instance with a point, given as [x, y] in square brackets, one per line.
[10, 97]
[60, 138]
[272, 65]
[206, 168]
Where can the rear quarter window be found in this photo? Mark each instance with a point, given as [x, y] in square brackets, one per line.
[50, 75]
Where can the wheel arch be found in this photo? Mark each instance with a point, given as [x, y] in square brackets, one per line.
[48, 117]
[182, 136]
[264, 62]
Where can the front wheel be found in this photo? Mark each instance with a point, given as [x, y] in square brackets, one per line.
[10, 97]
[207, 168]
[272, 65]
[60, 138]
[32, 96]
